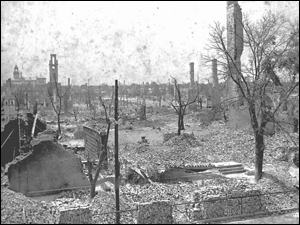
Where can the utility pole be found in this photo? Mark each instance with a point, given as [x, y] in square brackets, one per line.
[19, 126]
[124, 95]
[88, 93]
[117, 169]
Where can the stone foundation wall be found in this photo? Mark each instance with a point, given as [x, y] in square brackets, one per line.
[239, 206]
[168, 136]
[75, 216]
[218, 208]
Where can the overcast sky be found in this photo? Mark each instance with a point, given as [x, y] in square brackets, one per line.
[104, 41]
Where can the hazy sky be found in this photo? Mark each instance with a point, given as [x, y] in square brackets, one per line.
[104, 41]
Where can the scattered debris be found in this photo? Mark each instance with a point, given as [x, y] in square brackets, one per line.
[183, 140]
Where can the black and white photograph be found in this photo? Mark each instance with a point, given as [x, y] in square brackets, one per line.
[149, 112]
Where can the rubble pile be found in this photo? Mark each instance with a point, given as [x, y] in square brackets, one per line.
[48, 134]
[81, 194]
[68, 203]
[104, 202]
[17, 208]
[184, 140]
[290, 154]
[78, 134]
[168, 136]
[142, 147]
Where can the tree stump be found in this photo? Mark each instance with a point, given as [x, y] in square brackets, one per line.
[143, 112]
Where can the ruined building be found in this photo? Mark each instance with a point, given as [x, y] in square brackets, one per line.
[16, 136]
[46, 169]
[235, 48]
[29, 91]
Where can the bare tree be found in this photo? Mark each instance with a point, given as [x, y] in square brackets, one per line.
[20, 94]
[75, 112]
[267, 41]
[180, 106]
[111, 100]
[103, 155]
[57, 91]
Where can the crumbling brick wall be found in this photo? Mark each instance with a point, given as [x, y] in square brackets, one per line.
[48, 168]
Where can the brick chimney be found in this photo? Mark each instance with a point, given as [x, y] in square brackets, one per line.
[231, 3]
[192, 80]
[215, 72]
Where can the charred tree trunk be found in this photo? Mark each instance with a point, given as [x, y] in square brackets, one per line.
[259, 140]
[58, 123]
[92, 181]
[159, 104]
[143, 112]
[75, 114]
[200, 102]
[179, 125]
[259, 153]
[93, 189]
[296, 125]
[182, 115]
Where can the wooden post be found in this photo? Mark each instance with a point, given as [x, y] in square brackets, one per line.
[33, 126]
[7, 138]
[117, 156]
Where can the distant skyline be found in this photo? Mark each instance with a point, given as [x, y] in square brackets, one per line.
[132, 41]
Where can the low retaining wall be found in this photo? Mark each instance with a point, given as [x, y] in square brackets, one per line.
[158, 212]
[249, 202]
[75, 216]
[238, 204]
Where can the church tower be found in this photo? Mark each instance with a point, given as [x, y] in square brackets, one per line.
[53, 68]
[16, 72]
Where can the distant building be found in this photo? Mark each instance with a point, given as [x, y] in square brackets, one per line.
[30, 90]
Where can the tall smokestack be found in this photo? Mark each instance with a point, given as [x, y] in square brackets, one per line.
[69, 82]
[192, 80]
[9, 82]
[231, 3]
[216, 95]
[215, 72]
